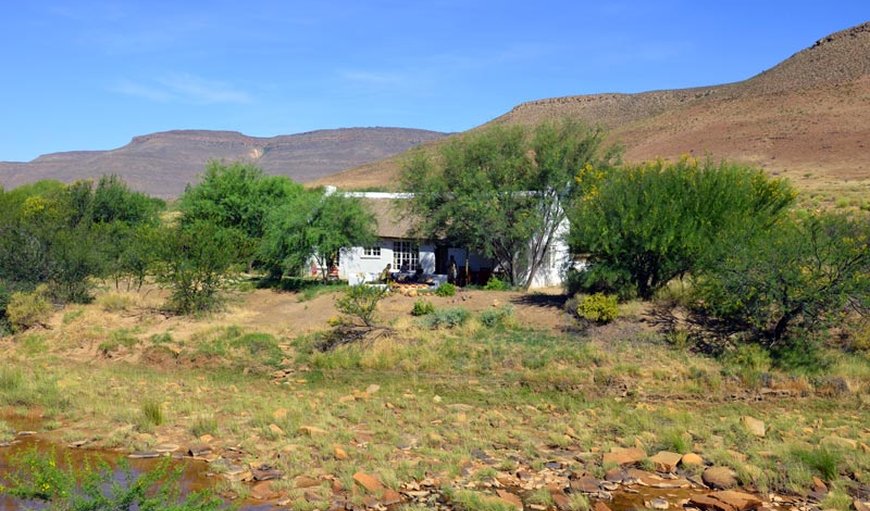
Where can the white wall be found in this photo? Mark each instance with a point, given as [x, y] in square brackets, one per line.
[352, 261]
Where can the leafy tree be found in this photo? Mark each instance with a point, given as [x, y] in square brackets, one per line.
[783, 287]
[315, 225]
[196, 264]
[502, 191]
[644, 225]
[237, 196]
[361, 302]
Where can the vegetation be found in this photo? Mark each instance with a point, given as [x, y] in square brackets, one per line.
[36, 477]
[446, 290]
[645, 225]
[598, 308]
[501, 192]
[361, 302]
[422, 308]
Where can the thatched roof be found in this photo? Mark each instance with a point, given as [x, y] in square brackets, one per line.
[394, 219]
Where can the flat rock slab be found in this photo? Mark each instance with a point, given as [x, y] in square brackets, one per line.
[721, 478]
[753, 425]
[726, 501]
[585, 484]
[623, 457]
[666, 461]
[510, 498]
[144, 455]
[370, 483]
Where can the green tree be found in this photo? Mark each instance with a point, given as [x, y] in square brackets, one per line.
[644, 225]
[315, 225]
[197, 264]
[501, 192]
[782, 287]
[237, 196]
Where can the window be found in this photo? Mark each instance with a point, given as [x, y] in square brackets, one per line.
[406, 252]
[371, 251]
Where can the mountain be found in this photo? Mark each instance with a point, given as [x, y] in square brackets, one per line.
[807, 118]
[161, 164]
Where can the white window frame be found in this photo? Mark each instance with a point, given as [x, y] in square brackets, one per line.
[406, 251]
[373, 252]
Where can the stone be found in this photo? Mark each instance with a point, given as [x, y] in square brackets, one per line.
[510, 498]
[302, 482]
[623, 457]
[819, 486]
[753, 425]
[266, 473]
[276, 430]
[838, 442]
[206, 439]
[340, 453]
[373, 389]
[263, 491]
[166, 448]
[721, 478]
[368, 482]
[657, 503]
[738, 500]
[585, 484]
[390, 498]
[860, 506]
[139, 455]
[666, 461]
[600, 506]
[691, 459]
[707, 503]
[280, 413]
[562, 501]
[312, 431]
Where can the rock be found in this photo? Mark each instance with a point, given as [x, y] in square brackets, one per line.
[657, 503]
[340, 454]
[303, 482]
[206, 439]
[838, 442]
[753, 425]
[666, 461]
[691, 459]
[266, 473]
[373, 389]
[139, 455]
[312, 431]
[166, 448]
[721, 478]
[707, 503]
[562, 501]
[585, 484]
[737, 500]
[276, 430]
[263, 491]
[510, 498]
[390, 498]
[600, 506]
[614, 475]
[623, 457]
[860, 506]
[368, 482]
[608, 485]
[280, 413]
[819, 486]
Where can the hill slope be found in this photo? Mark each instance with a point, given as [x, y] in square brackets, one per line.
[161, 164]
[807, 118]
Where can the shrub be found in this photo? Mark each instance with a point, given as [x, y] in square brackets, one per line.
[445, 290]
[448, 318]
[496, 316]
[361, 302]
[152, 411]
[496, 284]
[422, 308]
[598, 308]
[115, 302]
[26, 310]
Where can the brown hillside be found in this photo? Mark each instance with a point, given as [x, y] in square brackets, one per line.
[807, 118]
[161, 164]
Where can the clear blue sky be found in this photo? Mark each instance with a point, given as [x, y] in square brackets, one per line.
[93, 74]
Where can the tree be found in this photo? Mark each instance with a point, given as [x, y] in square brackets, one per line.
[237, 196]
[315, 225]
[644, 225]
[785, 285]
[502, 191]
[196, 264]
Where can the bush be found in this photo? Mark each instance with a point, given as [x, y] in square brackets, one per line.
[644, 225]
[785, 288]
[497, 316]
[152, 412]
[598, 308]
[446, 290]
[448, 318]
[496, 284]
[26, 310]
[361, 302]
[422, 308]
[115, 302]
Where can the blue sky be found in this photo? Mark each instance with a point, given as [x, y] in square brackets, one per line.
[93, 74]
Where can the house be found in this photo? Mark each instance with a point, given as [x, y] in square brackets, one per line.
[398, 245]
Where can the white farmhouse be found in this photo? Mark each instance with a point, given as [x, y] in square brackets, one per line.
[397, 245]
